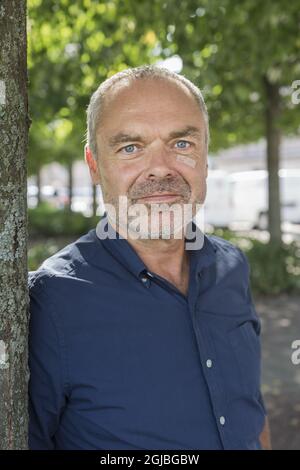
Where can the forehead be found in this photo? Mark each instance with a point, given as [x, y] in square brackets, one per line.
[150, 103]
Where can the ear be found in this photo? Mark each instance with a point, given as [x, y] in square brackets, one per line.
[92, 164]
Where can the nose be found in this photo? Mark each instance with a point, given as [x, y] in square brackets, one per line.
[159, 164]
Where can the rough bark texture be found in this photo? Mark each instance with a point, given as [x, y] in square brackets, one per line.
[14, 124]
[273, 158]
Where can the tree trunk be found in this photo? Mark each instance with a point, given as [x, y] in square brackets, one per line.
[273, 158]
[14, 124]
[70, 185]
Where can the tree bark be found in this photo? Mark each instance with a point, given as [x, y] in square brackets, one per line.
[14, 124]
[273, 159]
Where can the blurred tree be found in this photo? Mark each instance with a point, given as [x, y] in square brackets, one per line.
[245, 56]
[73, 47]
[14, 125]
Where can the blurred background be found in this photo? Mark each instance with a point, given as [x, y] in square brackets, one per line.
[245, 57]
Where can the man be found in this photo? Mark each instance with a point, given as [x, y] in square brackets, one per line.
[135, 341]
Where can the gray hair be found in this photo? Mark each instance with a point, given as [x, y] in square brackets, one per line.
[141, 72]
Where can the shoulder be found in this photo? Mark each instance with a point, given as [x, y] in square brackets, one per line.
[69, 262]
[229, 294]
[55, 288]
[228, 255]
[64, 278]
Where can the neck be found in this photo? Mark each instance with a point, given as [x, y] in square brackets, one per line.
[165, 257]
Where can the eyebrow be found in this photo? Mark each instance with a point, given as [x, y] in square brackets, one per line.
[122, 137]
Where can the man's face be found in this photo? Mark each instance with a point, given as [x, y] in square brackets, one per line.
[151, 147]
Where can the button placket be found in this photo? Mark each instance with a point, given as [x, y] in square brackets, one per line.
[205, 345]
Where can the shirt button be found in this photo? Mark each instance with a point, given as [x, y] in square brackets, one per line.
[209, 363]
[222, 420]
[145, 281]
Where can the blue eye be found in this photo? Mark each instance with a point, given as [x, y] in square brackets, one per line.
[129, 148]
[182, 144]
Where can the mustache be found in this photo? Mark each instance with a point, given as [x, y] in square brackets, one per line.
[162, 185]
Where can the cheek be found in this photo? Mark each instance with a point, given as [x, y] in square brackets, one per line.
[192, 168]
[185, 160]
[197, 181]
[200, 189]
[194, 160]
[120, 177]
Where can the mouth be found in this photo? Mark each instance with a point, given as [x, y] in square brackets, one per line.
[167, 197]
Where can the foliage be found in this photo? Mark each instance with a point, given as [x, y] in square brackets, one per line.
[273, 268]
[73, 47]
[46, 221]
[41, 251]
[228, 49]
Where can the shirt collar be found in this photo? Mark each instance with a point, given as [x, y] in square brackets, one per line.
[122, 250]
[119, 247]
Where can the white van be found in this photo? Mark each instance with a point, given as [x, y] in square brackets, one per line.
[241, 198]
[249, 197]
[217, 208]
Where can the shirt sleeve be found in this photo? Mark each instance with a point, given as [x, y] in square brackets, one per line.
[258, 321]
[47, 387]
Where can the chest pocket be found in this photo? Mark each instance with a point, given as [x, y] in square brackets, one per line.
[236, 350]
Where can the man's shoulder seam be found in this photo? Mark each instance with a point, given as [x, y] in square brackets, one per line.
[219, 242]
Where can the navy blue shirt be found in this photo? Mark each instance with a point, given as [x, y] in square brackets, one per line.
[119, 358]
